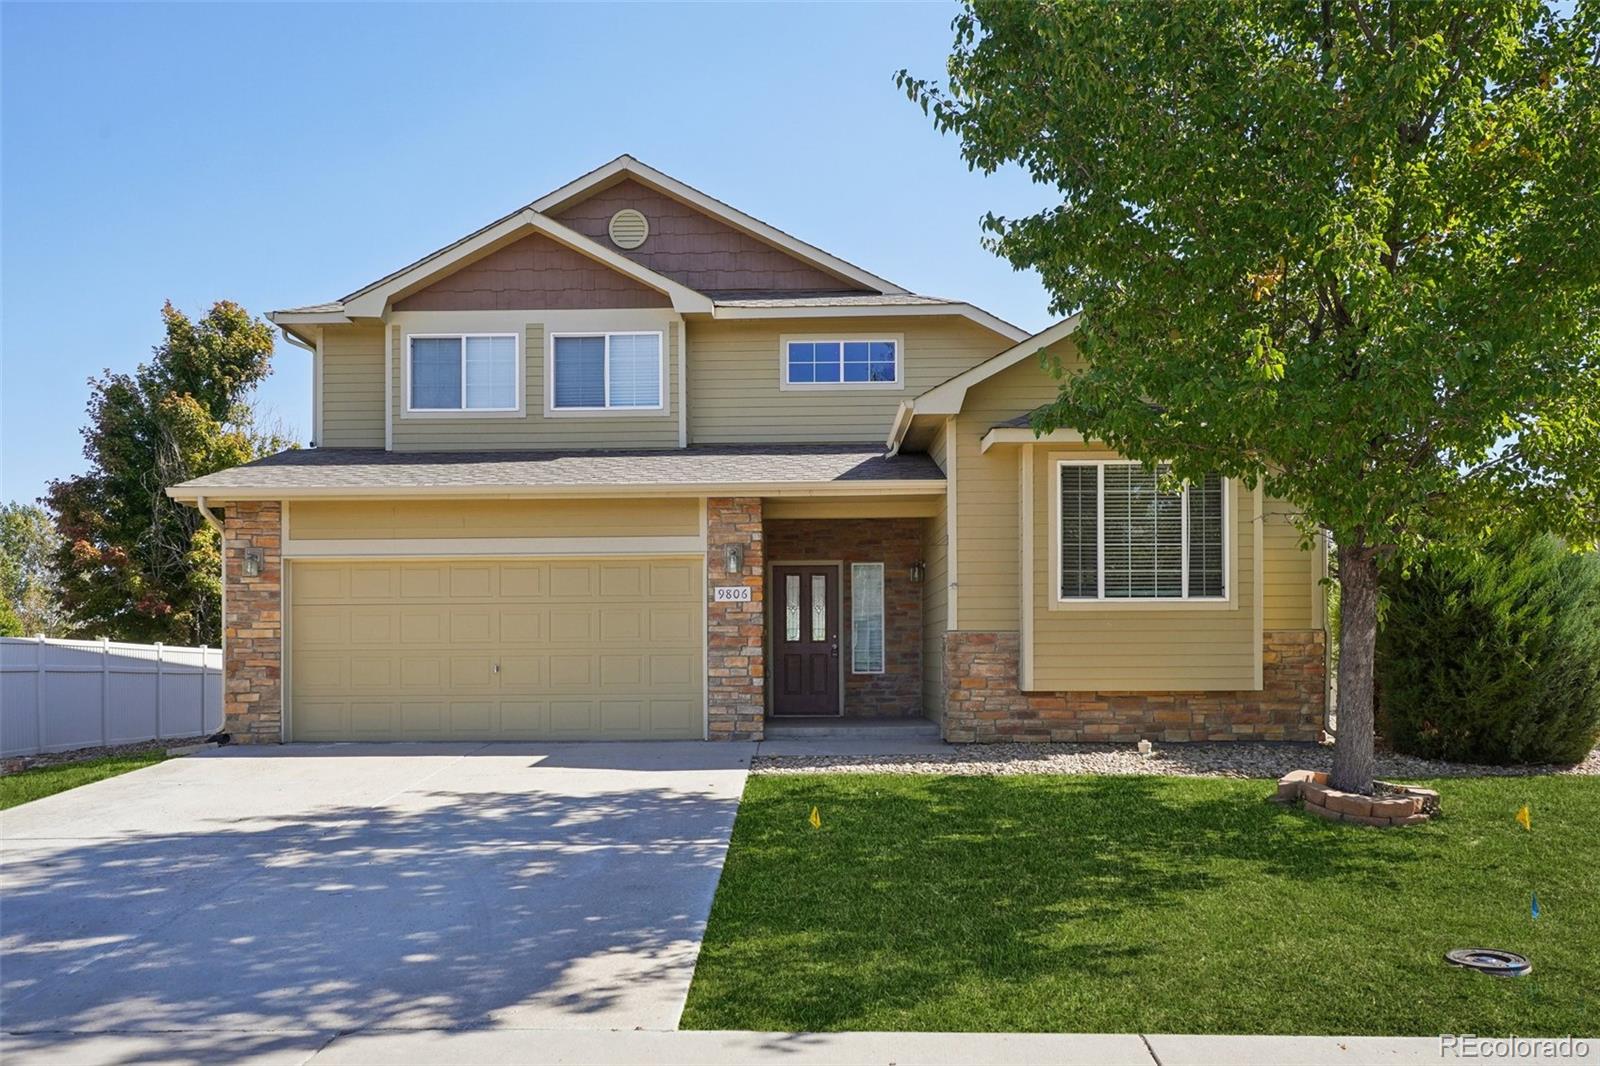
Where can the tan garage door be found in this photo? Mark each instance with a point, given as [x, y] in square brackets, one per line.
[508, 650]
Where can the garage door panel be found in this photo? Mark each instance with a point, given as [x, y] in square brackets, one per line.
[572, 580]
[572, 625]
[486, 650]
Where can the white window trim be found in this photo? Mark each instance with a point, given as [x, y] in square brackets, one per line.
[1101, 602]
[552, 411]
[897, 339]
[883, 620]
[409, 411]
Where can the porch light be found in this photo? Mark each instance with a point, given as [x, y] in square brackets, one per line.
[253, 560]
[733, 559]
[917, 570]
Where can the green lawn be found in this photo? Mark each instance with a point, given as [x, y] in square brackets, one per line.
[1169, 905]
[44, 781]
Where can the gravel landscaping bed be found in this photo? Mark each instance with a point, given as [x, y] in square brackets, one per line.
[16, 764]
[1237, 759]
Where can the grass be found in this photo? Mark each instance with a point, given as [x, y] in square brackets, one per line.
[1171, 905]
[44, 781]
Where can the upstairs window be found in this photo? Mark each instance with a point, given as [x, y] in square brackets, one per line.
[841, 363]
[464, 372]
[606, 371]
[1120, 537]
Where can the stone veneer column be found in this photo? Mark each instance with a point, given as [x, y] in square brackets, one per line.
[736, 671]
[252, 644]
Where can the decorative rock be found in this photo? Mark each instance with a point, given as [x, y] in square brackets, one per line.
[1315, 794]
[1350, 803]
[1325, 812]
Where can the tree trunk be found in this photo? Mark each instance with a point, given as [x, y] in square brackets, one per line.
[1353, 762]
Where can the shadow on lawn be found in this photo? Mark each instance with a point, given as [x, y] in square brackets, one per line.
[912, 890]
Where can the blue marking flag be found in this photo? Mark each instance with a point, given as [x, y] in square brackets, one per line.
[1536, 905]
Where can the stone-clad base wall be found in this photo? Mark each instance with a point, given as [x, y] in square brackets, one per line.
[252, 638]
[984, 705]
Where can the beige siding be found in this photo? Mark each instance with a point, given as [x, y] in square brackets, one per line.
[429, 519]
[734, 392]
[988, 515]
[352, 387]
[935, 596]
[1121, 648]
[1291, 572]
[532, 428]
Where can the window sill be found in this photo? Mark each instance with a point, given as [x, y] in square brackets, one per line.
[1226, 604]
[606, 412]
[471, 414]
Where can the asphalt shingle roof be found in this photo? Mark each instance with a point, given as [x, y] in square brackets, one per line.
[370, 469]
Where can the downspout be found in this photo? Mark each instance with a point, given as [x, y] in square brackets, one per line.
[205, 512]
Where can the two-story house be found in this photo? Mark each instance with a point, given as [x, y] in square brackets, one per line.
[629, 463]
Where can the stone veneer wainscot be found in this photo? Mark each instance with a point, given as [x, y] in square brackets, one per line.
[984, 705]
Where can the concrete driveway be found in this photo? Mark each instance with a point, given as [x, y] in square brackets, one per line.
[254, 899]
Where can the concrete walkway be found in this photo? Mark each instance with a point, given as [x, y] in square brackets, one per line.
[646, 1048]
[333, 888]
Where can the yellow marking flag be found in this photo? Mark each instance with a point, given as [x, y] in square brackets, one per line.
[815, 819]
[1525, 819]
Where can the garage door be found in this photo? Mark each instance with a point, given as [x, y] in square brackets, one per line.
[508, 650]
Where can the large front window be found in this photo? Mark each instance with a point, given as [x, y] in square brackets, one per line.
[1122, 538]
[606, 371]
[463, 372]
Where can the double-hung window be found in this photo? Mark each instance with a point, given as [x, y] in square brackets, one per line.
[463, 372]
[840, 362]
[1120, 536]
[605, 371]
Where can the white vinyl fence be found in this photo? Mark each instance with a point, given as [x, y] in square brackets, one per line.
[56, 695]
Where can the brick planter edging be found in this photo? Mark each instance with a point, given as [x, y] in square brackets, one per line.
[1394, 805]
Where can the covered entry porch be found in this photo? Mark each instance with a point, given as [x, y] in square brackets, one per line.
[833, 641]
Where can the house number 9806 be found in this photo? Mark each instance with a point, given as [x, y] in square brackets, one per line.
[731, 593]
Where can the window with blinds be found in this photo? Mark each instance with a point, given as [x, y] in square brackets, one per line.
[606, 371]
[866, 618]
[463, 372]
[1121, 537]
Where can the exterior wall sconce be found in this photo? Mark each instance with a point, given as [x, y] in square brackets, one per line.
[254, 560]
[733, 558]
[918, 571]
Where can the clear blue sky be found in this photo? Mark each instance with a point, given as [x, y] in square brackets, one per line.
[283, 155]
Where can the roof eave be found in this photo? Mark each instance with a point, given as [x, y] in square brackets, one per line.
[191, 493]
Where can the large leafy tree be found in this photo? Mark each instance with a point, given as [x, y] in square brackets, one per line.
[28, 584]
[135, 565]
[1347, 248]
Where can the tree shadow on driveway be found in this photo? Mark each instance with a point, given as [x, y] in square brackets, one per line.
[455, 908]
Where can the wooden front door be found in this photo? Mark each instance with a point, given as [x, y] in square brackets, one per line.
[805, 628]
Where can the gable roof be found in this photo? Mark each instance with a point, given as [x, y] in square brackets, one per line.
[947, 397]
[627, 166]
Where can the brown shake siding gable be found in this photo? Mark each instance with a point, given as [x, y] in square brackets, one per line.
[694, 249]
[534, 273]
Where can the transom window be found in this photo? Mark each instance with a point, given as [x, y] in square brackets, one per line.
[841, 362]
[1122, 538]
[866, 618]
[606, 371]
[464, 372]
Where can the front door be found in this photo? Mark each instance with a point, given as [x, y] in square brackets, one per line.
[806, 640]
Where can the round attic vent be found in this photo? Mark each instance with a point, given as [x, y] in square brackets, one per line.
[628, 228]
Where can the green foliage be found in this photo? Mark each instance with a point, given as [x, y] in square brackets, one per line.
[1493, 656]
[28, 581]
[42, 781]
[10, 624]
[135, 565]
[1351, 249]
